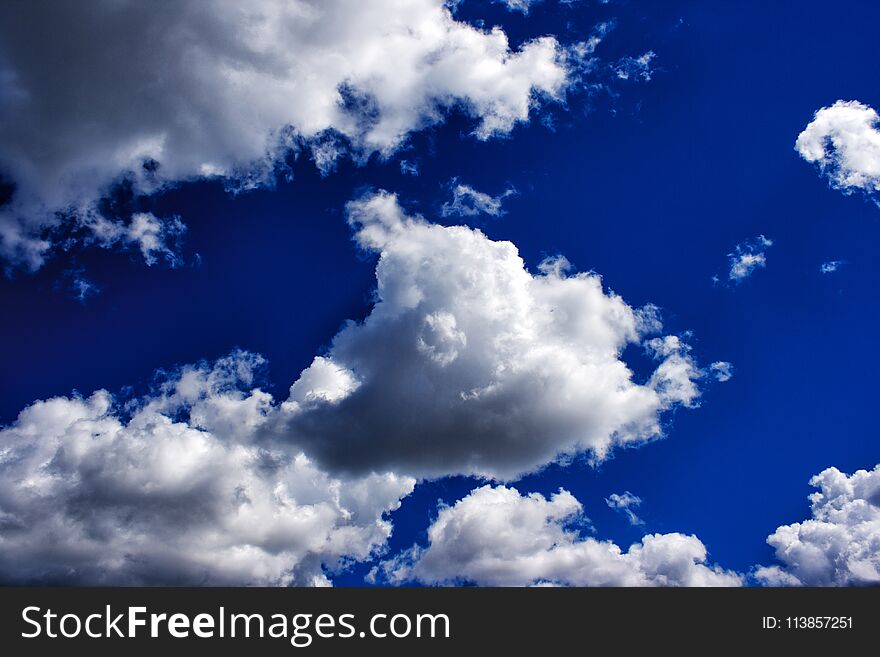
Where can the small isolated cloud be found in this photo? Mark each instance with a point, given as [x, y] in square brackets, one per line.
[408, 168]
[224, 90]
[635, 68]
[626, 502]
[844, 142]
[496, 536]
[831, 266]
[470, 364]
[518, 5]
[747, 257]
[839, 545]
[468, 202]
[83, 288]
[177, 489]
[77, 285]
[721, 370]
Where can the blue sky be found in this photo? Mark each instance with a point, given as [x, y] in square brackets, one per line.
[650, 183]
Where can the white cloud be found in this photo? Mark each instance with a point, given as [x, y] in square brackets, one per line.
[831, 266]
[468, 202]
[840, 544]
[154, 237]
[468, 363]
[676, 374]
[90, 92]
[721, 370]
[636, 68]
[177, 490]
[747, 257]
[498, 537]
[519, 5]
[626, 502]
[844, 142]
[743, 264]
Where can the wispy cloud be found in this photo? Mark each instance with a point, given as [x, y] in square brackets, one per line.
[626, 502]
[408, 168]
[747, 257]
[635, 68]
[721, 370]
[469, 202]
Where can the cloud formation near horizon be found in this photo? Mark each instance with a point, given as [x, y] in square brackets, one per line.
[178, 490]
[839, 545]
[496, 536]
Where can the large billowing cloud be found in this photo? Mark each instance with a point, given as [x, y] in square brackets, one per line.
[498, 537]
[840, 544]
[844, 141]
[172, 91]
[177, 490]
[469, 363]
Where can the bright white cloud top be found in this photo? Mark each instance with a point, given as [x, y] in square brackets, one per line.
[225, 89]
[498, 537]
[470, 364]
[91, 494]
[840, 544]
[844, 142]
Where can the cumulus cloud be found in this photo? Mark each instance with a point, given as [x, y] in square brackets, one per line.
[468, 202]
[844, 142]
[721, 370]
[840, 544]
[747, 257]
[93, 92]
[177, 489]
[469, 363]
[626, 502]
[496, 536]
